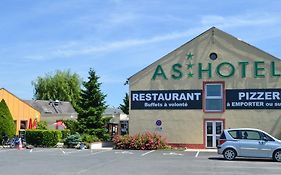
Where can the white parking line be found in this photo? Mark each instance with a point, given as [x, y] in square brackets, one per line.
[100, 152]
[37, 150]
[62, 151]
[172, 154]
[124, 152]
[6, 150]
[197, 153]
[71, 152]
[148, 152]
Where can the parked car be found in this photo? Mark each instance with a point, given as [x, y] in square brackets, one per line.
[248, 142]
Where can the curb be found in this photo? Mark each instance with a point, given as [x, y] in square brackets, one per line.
[201, 150]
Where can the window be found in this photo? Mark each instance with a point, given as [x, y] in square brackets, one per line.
[234, 134]
[124, 127]
[267, 137]
[23, 124]
[214, 101]
[251, 135]
[222, 136]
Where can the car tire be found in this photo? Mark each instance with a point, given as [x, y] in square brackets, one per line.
[229, 154]
[277, 156]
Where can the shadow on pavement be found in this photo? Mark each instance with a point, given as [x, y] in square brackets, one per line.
[242, 159]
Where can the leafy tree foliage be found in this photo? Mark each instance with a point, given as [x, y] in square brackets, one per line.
[91, 107]
[7, 125]
[43, 125]
[125, 106]
[71, 125]
[63, 85]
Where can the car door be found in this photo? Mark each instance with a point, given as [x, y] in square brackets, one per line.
[266, 145]
[249, 144]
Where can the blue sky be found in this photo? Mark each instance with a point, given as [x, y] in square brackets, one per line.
[117, 38]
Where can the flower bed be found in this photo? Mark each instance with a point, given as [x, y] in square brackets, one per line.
[145, 141]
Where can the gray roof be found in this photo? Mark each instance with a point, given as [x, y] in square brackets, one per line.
[52, 107]
[112, 111]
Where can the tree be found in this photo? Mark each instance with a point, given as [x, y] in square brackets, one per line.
[63, 85]
[7, 125]
[91, 107]
[125, 106]
[71, 125]
[43, 125]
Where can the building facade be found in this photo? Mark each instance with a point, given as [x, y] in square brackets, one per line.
[53, 112]
[22, 113]
[212, 82]
[119, 122]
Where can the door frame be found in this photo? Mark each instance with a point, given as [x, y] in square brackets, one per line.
[204, 128]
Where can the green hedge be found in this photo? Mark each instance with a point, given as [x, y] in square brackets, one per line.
[65, 133]
[44, 138]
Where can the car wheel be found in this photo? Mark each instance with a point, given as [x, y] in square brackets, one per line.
[229, 154]
[277, 156]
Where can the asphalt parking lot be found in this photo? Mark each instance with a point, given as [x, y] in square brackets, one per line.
[59, 161]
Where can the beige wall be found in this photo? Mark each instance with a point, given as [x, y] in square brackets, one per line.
[186, 126]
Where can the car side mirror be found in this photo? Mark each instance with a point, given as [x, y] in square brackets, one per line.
[264, 139]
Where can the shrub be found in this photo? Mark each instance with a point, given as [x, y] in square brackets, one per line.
[45, 138]
[71, 125]
[7, 125]
[65, 133]
[42, 125]
[51, 137]
[89, 138]
[146, 141]
[72, 140]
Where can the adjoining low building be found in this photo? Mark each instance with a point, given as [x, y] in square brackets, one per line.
[212, 82]
[53, 112]
[23, 113]
[119, 122]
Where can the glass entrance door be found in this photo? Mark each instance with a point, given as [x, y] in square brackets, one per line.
[213, 130]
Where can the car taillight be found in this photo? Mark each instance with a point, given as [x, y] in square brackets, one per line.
[221, 141]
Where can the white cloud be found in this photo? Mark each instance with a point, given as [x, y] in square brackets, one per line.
[70, 50]
[240, 20]
[77, 48]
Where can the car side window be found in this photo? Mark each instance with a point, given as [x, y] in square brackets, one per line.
[234, 134]
[222, 136]
[267, 137]
[250, 135]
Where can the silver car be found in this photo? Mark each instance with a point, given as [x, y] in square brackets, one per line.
[248, 142]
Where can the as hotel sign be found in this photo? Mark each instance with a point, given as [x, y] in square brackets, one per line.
[223, 70]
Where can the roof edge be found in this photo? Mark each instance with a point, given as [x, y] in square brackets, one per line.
[206, 31]
[20, 99]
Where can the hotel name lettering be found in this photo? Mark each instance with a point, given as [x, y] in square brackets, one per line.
[179, 71]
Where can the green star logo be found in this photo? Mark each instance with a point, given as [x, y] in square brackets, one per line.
[189, 56]
[190, 75]
[189, 66]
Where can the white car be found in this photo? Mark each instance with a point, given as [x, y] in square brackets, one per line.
[248, 142]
